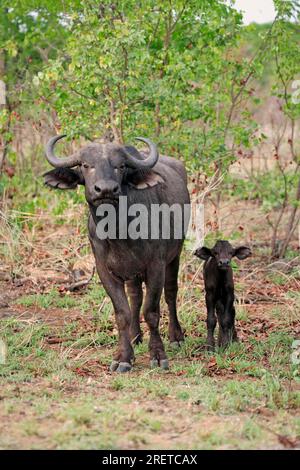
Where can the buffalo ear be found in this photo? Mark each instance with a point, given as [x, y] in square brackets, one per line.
[63, 178]
[143, 179]
[203, 253]
[242, 252]
[148, 180]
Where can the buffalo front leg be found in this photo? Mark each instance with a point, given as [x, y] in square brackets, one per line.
[171, 288]
[211, 321]
[123, 359]
[135, 292]
[154, 287]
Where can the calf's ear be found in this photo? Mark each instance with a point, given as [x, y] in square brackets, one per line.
[242, 252]
[203, 253]
[63, 178]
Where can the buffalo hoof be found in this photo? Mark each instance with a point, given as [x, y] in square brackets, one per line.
[154, 363]
[163, 363]
[176, 344]
[116, 366]
[113, 366]
[124, 367]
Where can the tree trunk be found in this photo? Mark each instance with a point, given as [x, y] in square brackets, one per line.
[4, 103]
[292, 224]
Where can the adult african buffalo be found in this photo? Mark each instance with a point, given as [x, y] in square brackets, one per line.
[109, 171]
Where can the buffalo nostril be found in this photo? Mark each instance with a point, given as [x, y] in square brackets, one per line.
[97, 188]
[223, 263]
[116, 189]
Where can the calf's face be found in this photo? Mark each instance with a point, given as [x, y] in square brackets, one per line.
[223, 252]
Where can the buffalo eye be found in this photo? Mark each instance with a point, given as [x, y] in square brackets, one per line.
[85, 165]
[122, 167]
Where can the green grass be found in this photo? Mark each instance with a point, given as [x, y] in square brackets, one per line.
[140, 409]
[62, 395]
[51, 299]
[277, 278]
[88, 303]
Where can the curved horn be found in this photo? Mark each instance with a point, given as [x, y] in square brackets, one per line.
[144, 164]
[67, 162]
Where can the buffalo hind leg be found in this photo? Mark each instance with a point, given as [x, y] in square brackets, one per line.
[154, 287]
[176, 335]
[135, 292]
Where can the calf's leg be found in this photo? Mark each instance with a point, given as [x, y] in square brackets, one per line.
[227, 332]
[171, 288]
[234, 332]
[210, 298]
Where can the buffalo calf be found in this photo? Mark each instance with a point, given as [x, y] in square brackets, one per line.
[219, 290]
